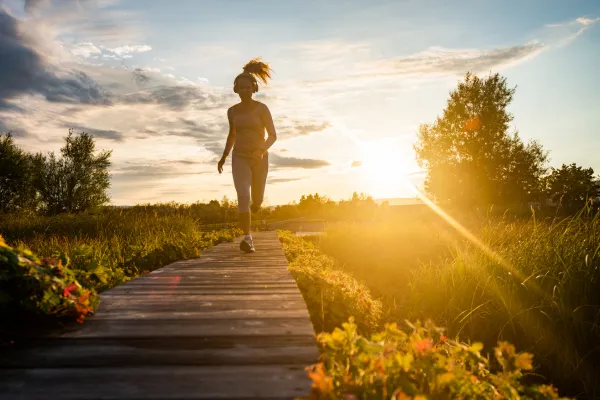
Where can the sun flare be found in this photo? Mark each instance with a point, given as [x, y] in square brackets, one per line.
[384, 169]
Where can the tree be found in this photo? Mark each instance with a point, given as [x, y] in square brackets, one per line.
[469, 155]
[16, 189]
[571, 186]
[76, 182]
[49, 182]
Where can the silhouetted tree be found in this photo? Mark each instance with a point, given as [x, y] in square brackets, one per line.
[571, 186]
[469, 155]
[76, 182]
[16, 184]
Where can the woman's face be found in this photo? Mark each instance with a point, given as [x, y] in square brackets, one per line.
[244, 88]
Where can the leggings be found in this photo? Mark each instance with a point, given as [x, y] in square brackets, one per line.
[249, 179]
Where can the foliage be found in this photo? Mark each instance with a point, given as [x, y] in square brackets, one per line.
[212, 212]
[110, 248]
[16, 190]
[331, 295]
[420, 364]
[90, 253]
[358, 207]
[469, 155]
[571, 186]
[78, 181]
[75, 182]
[42, 286]
[531, 282]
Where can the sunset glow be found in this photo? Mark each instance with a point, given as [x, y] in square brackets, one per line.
[152, 81]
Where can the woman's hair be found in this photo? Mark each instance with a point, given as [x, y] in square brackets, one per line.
[254, 69]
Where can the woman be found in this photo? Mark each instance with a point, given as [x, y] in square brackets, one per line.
[250, 158]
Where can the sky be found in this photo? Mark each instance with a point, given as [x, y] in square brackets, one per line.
[352, 81]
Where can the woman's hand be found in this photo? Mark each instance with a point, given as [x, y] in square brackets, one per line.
[221, 163]
[258, 154]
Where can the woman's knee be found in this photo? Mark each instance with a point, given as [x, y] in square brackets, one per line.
[244, 204]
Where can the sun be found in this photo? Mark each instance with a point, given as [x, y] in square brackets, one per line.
[383, 168]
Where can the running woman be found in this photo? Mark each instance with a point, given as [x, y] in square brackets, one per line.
[248, 121]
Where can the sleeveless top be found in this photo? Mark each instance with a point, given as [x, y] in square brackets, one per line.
[249, 131]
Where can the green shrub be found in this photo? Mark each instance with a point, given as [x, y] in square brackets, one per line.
[331, 295]
[421, 364]
[46, 287]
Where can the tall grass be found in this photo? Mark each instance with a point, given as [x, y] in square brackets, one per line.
[533, 283]
[112, 247]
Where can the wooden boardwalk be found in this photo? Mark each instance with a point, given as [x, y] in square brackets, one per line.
[227, 325]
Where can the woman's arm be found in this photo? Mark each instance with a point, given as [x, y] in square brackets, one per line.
[230, 140]
[268, 121]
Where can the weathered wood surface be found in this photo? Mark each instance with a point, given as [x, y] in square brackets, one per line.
[227, 325]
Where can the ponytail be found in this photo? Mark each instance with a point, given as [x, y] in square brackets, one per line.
[258, 69]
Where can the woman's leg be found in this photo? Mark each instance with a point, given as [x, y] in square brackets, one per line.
[259, 181]
[245, 222]
[242, 180]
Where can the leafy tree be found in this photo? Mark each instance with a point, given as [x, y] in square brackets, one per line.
[571, 186]
[313, 205]
[49, 182]
[76, 182]
[470, 157]
[16, 190]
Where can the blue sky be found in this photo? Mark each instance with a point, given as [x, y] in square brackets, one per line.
[353, 80]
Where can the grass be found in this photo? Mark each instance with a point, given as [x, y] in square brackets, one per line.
[100, 251]
[332, 296]
[533, 283]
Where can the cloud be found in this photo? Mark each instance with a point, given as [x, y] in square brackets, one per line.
[98, 133]
[15, 132]
[176, 97]
[90, 50]
[587, 21]
[288, 128]
[25, 72]
[356, 164]
[33, 5]
[128, 49]
[440, 61]
[274, 181]
[278, 162]
[136, 171]
[85, 50]
[566, 32]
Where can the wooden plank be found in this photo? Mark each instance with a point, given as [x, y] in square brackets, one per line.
[219, 285]
[105, 352]
[171, 382]
[128, 298]
[222, 305]
[143, 327]
[181, 291]
[202, 314]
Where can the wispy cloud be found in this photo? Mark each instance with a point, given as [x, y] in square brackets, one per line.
[437, 61]
[31, 6]
[99, 133]
[278, 162]
[290, 128]
[362, 67]
[565, 32]
[274, 181]
[90, 50]
[128, 49]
